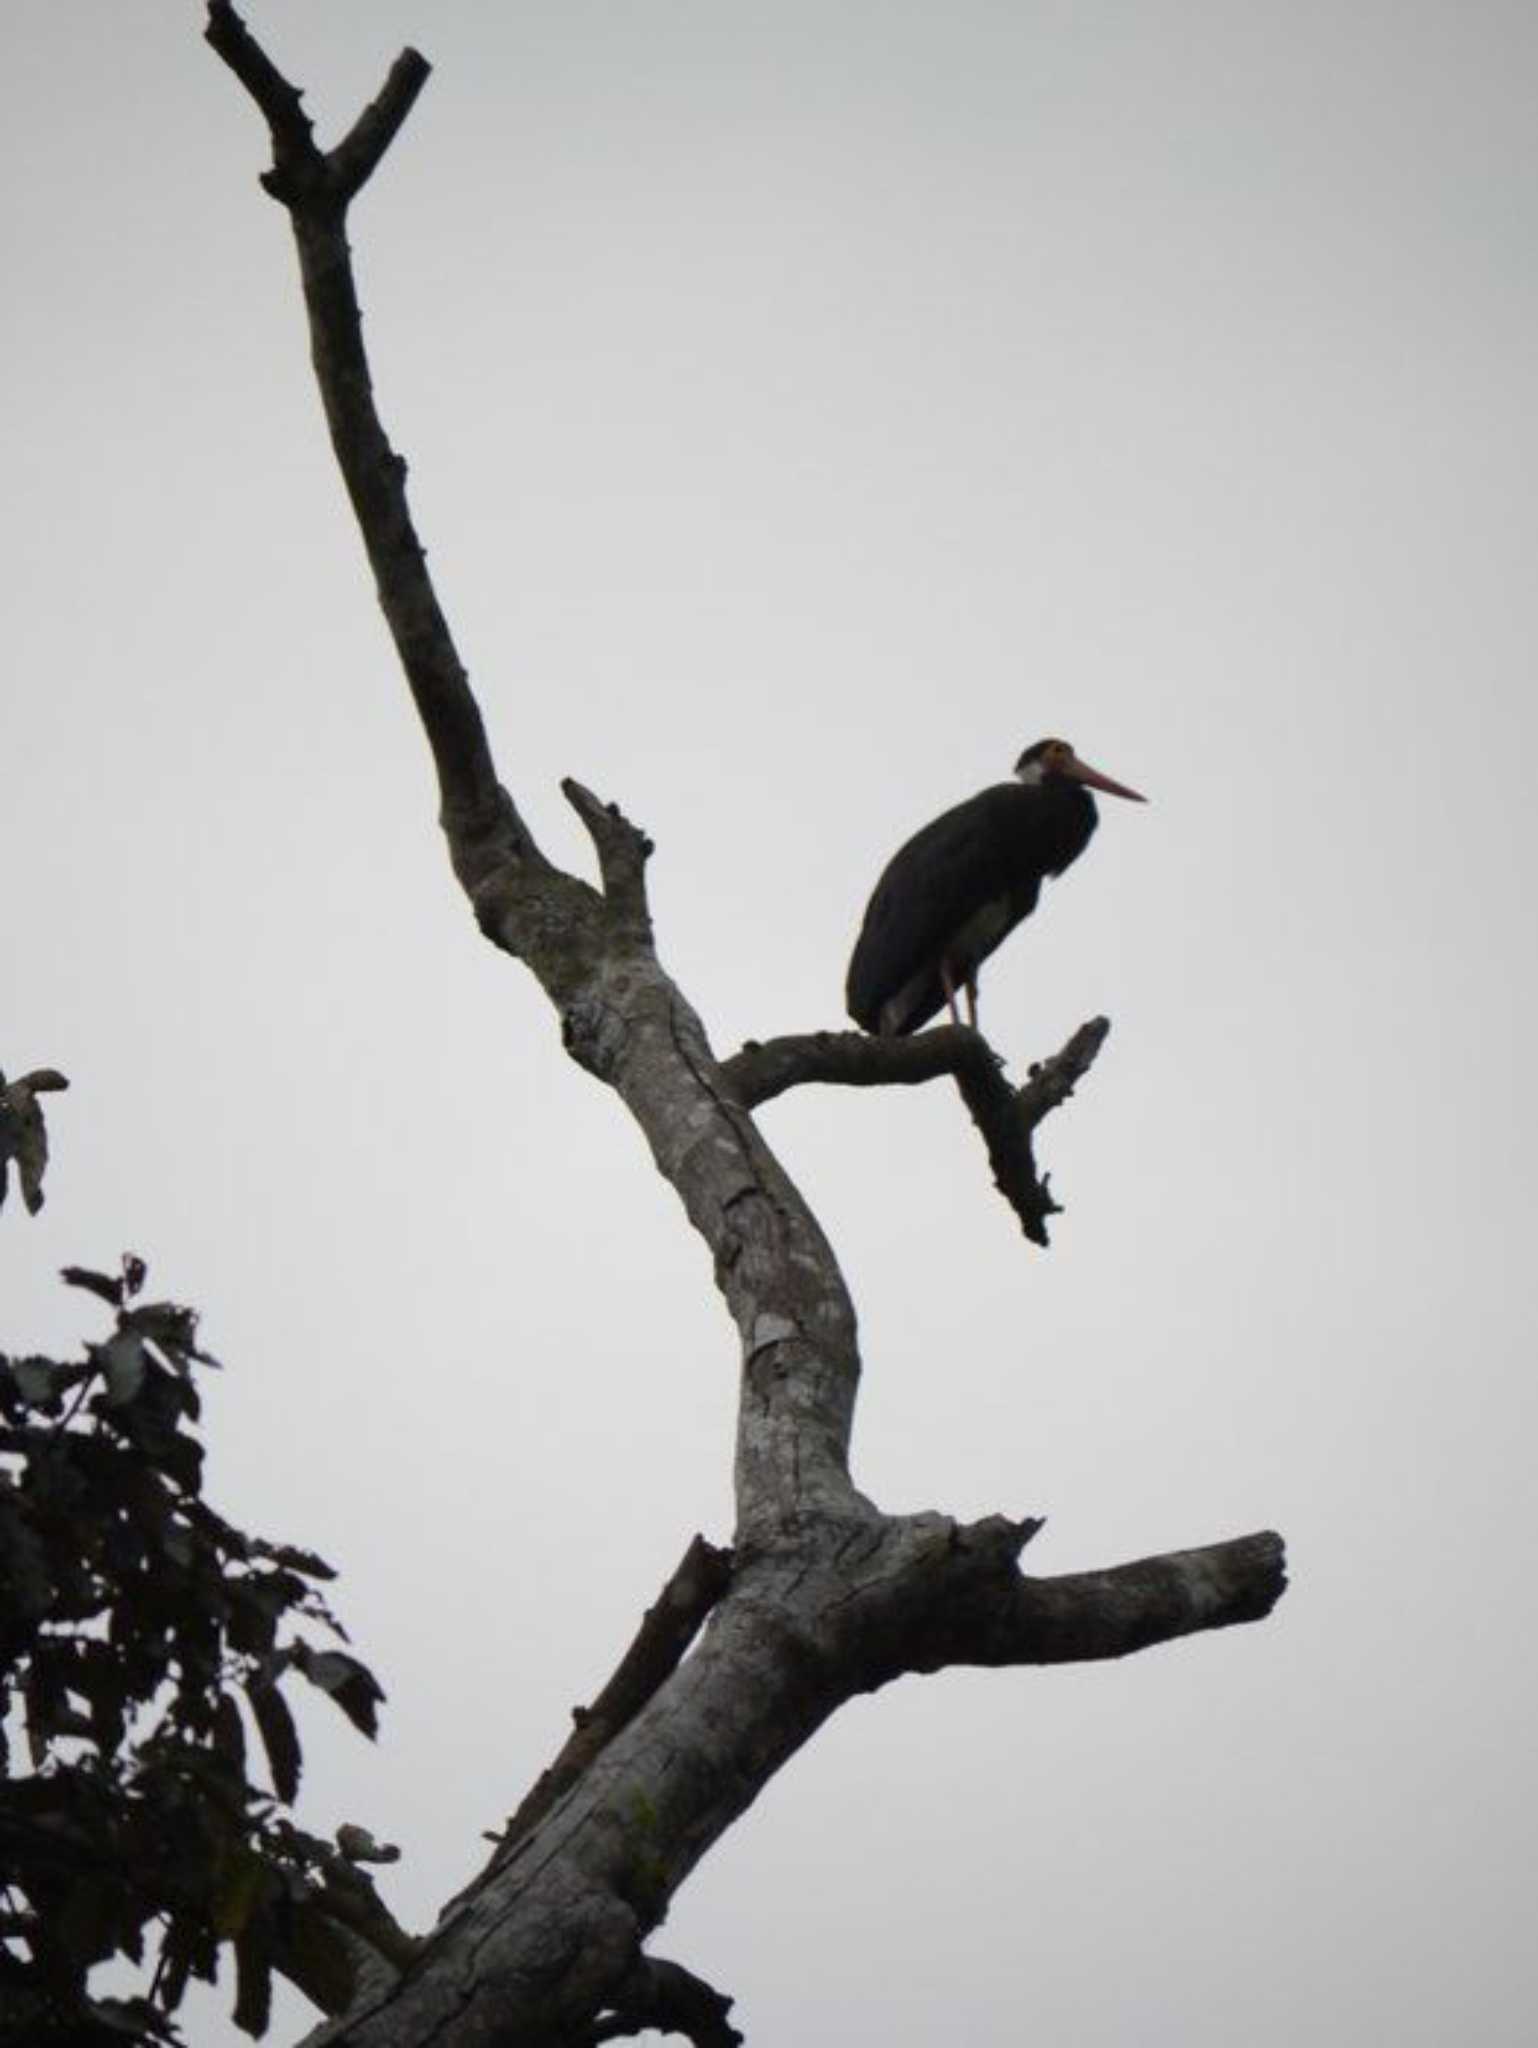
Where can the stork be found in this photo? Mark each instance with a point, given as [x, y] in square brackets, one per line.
[959, 887]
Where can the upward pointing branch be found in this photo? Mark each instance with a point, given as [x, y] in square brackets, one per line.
[292, 134]
[316, 187]
[358, 153]
[621, 1016]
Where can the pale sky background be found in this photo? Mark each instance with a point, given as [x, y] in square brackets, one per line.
[809, 406]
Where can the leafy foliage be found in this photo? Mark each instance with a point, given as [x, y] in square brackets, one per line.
[23, 1133]
[144, 1646]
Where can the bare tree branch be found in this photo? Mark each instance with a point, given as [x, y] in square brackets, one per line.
[477, 813]
[989, 1613]
[280, 102]
[669, 1626]
[1089, 1615]
[1006, 1117]
[350, 1896]
[851, 1059]
[623, 851]
[359, 1948]
[357, 155]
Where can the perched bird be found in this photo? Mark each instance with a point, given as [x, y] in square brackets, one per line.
[958, 888]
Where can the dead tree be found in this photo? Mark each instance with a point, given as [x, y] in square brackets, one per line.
[822, 1596]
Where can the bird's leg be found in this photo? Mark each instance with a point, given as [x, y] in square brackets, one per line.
[950, 991]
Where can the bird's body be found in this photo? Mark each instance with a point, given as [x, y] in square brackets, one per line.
[960, 886]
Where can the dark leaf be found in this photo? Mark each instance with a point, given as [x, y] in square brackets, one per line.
[86, 1929]
[275, 1725]
[188, 1950]
[109, 1720]
[134, 2017]
[242, 1882]
[101, 1284]
[38, 1380]
[320, 1956]
[230, 1733]
[316, 1608]
[351, 1684]
[152, 1420]
[282, 1589]
[45, 1702]
[182, 1458]
[24, 1135]
[216, 1531]
[98, 1679]
[124, 1362]
[297, 1560]
[255, 1611]
[171, 1328]
[134, 1270]
[253, 1982]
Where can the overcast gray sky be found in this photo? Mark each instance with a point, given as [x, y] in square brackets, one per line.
[808, 406]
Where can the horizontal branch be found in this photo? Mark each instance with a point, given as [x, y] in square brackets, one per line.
[1006, 1117]
[851, 1059]
[1090, 1615]
[992, 1614]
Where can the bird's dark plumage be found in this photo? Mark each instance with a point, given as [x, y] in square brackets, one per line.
[962, 884]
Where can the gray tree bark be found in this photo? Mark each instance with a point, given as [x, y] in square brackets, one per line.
[822, 1596]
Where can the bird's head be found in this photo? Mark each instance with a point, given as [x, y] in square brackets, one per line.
[1050, 759]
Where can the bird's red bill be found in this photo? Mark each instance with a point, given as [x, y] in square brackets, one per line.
[1082, 772]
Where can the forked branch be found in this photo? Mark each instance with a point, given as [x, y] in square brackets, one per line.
[316, 187]
[1006, 1117]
